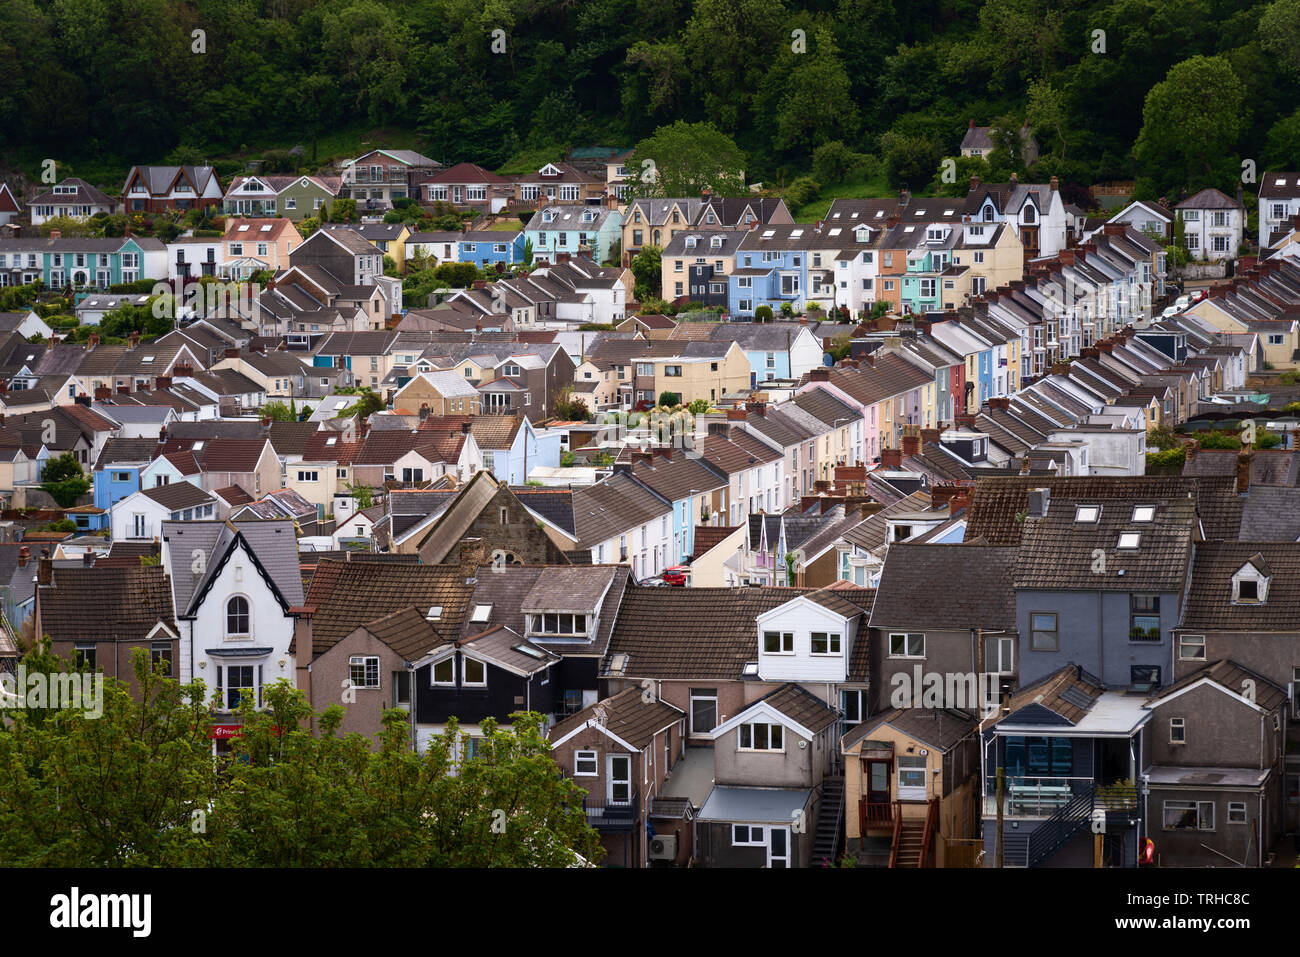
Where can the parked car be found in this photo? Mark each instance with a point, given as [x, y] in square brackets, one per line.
[675, 574]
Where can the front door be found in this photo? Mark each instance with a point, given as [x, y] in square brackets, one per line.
[877, 782]
[778, 847]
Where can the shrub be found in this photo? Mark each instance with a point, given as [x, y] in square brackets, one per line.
[1167, 460]
[802, 192]
[763, 313]
[1219, 440]
[669, 399]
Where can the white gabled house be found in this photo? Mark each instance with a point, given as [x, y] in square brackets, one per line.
[233, 585]
[808, 640]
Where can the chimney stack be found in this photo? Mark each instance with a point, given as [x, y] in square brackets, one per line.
[891, 458]
[1243, 470]
[133, 340]
[820, 374]
[45, 570]
[92, 342]
[24, 556]
[911, 445]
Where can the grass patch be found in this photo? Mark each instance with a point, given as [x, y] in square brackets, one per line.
[875, 188]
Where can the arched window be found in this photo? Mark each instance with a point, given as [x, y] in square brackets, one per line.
[237, 623]
[1029, 214]
[988, 214]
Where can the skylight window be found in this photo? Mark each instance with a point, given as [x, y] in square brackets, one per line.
[481, 613]
[835, 216]
[435, 612]
[1129, 540]
[880, 214]
[1087, 513]
[769, 233]
[242, 229]
[528, 650]
[795, 234]
[1144, 513]
[266, 229]
[835, 231]
[198, 445]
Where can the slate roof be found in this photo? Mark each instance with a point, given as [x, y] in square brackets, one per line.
[106, 604]
[504, 589]
[692, 632]
[555, 505]
[997, 500]
[1063, 692]
[613, 507]
[1271, 514]
[1058, 552]
[1233, 677]
[177, 495]
[626, 715]
[946, 587]
[1209, 604]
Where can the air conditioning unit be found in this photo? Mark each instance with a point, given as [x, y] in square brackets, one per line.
[663, 848]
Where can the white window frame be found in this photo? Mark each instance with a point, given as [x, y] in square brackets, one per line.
[750, 730]
[907, 637]
[785, 641]
[581, 759]
[364, 662]
[1191, 641]
[834, 643]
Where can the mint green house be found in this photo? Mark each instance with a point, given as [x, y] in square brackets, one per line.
[76, 262]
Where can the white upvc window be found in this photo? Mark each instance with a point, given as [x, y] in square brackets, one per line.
[761, 736]
[906, 645]
[363, 671]
[585, 764]
[778, 642]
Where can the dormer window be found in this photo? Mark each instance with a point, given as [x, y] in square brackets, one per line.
[559, 625]
[1250, 584]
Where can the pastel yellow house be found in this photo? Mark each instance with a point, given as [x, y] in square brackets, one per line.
[703, 370]
[1279, 337]
[911, 783]
[599, 385]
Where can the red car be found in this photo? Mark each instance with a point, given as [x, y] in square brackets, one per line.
[675, 575]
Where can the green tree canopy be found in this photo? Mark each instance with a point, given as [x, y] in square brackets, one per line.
[684, 159]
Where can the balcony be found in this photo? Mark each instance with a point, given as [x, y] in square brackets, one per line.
[612, 815]
[392, 178]
[1044, 796]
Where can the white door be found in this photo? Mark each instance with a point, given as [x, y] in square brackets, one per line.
[778, 847]
[618, 788]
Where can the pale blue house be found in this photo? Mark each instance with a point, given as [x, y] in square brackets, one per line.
[574, 230]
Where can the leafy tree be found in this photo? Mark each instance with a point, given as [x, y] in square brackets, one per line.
[802, 192]
[64, 480]
[1279, 34]
[67, 226]
[363, 494]
[910, 160]
[647, 267]
[763, 313]
[1046, 111]
[1190, 122]
[368, 404]
[833, 162]
[457, 275]
[278, 412]
[569, 407]
[528, 253]
[687, 159]
[698, 407]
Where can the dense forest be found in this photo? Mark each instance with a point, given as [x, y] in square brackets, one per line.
[1175, 93]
